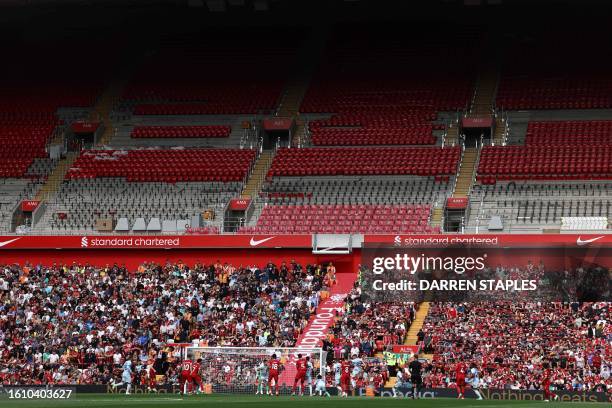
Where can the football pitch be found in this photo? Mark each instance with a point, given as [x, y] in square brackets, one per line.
[252, 401]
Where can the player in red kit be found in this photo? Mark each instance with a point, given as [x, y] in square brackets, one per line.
[546, 381]
[300, 374]
[186, 368]
[460, 369]
[195, 374]
[345, 377]
[274, 368]
[152, 378]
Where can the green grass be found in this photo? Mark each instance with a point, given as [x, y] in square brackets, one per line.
[252, 401]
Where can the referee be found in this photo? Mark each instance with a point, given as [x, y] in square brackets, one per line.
[416, 379]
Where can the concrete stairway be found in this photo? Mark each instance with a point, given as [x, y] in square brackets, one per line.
[104, 107]
[499, 136]
[436, 216]
[411, 336]
[485, 92]
[452, 135]
[466, 172]
[292, 98]
[56, 178]
[417, 324]
[258, 174]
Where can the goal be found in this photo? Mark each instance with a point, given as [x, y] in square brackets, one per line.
[243, 369]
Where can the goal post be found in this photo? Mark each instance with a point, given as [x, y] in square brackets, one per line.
[242, 369]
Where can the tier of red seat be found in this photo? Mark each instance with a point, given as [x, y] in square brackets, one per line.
[415, 135]
[245, 106]
[384, 72]
[164, 165]
[556, 70]
[579, 132]
[160, 132]
[343, 219]
[236, 73]
[374, 129]
[21, 141]
[550, 93]
[37, 81]
[543, 162]
[424, 161]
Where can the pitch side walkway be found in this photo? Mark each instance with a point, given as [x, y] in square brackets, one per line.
[318, 326]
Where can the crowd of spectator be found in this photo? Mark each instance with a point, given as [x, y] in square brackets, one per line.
[72, 324]
[363, 330]
[513, 344]
[78, 324]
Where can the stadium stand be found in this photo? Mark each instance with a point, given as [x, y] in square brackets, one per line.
[536, 74]
[113, 184]
[540, 162]
[532, 205]
[400, 106]
[170, 165]
[209, 77]
[176, 132]
[343, 219]
[515, 342]
[87, 346]
[575, 132]
[365, 161]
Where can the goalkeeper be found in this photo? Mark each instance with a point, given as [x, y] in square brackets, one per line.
[320, 387]
[262, 379]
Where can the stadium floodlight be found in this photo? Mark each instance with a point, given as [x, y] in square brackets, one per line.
[241, 370]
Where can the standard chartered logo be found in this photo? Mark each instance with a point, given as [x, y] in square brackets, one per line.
[84, 242]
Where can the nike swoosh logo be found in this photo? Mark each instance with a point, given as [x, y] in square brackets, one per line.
[8, 242]
[261, 241]
[581, 241]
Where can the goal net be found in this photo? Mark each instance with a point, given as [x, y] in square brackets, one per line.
[243, 369]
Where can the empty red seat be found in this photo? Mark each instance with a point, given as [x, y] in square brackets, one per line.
[189, 165]
[342, 219]
[163, 132]
[426, 161]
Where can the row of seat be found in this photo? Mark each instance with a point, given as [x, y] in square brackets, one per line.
[579, 132]
[164, 165]
[180, 131]
[232, 74]
[365, 161]
[343, 219]
[545, 162]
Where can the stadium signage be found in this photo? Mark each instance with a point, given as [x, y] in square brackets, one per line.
[277, 124]
[406, 348]
[154, 242]
[29, 205]
[488, 240]
[317, 327]
[239, 204]
[477, 123]
[428, 393]
[456, 203]
[84, 127]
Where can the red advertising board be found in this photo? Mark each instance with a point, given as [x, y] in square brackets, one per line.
[456, 203]
[477, 123]
[239, 204]
[277, 124]
[84, 127]
[29, 205]
[492, 240]
[155, 242]
[406, 348]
